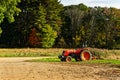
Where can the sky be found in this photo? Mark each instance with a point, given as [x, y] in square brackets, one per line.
[93, 3]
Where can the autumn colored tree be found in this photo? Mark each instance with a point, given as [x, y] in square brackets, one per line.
[34, 40]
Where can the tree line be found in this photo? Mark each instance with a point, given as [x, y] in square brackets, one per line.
[47, 23]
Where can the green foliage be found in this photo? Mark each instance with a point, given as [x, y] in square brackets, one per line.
[47, 21]
[40, 15]
[48, 36]
[53, 14]
[8, 9]
[0, 31]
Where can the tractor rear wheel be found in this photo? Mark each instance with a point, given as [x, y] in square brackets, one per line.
[68, 59]
[85, 55]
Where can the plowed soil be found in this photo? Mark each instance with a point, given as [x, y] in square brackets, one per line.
[18, 69]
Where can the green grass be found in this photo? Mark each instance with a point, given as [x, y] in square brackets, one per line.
[48, 60]
[112, 62]
[45, 60]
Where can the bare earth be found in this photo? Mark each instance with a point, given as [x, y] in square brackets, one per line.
[18, 69]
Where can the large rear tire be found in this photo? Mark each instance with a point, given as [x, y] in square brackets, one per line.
[85, 55]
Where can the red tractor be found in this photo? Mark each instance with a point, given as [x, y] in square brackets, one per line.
[81, 54]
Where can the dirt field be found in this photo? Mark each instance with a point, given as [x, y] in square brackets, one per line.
[17, 69]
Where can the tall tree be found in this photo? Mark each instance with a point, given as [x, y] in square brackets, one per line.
[39, 14]
[8, 10]
[73, 31]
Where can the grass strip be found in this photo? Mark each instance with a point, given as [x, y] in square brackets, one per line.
[112, 62]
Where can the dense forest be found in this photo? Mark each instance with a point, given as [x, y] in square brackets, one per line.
[47, 23]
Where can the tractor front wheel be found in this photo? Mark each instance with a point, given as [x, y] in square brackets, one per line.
[85, 55]
[68, 59]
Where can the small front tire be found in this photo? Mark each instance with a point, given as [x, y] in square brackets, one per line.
[68, 59]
